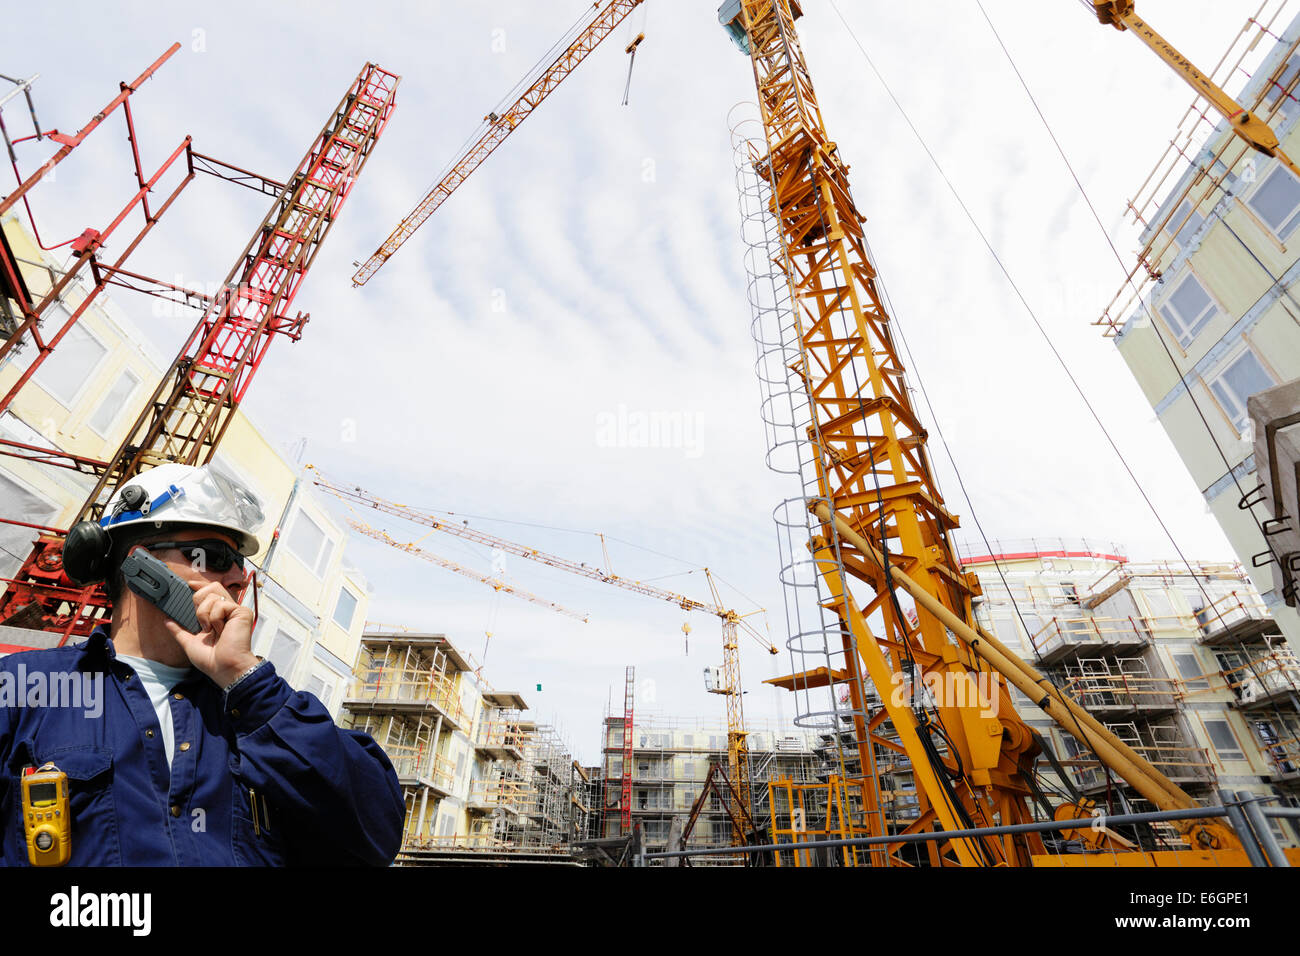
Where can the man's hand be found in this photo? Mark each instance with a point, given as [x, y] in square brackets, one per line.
[223, 649]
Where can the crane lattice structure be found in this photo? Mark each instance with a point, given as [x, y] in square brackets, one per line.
[186, 417]
[883, 524]
[495, 583]
[625, 784]
[500, 126]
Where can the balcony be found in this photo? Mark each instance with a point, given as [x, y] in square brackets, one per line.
[502, 740]
[418, 765]
[1066, 638]
[1236, 617]
[1264, 681]
[1185, 766]
[1161, 745]
[386, 690]
[1123, 688]
[508, 795]
[1284, 759]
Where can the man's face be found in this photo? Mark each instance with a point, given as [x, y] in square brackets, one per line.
[196, 570]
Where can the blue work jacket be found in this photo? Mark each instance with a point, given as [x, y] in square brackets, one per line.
[261, 776]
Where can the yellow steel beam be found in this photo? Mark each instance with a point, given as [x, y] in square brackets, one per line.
[1122, 15]
[870, 456]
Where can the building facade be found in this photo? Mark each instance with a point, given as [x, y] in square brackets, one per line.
[1185, 665]
[1218, 319]
[482, 781]
[670, 761]
[311, 602]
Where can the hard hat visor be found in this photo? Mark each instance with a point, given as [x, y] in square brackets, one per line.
[180, 494]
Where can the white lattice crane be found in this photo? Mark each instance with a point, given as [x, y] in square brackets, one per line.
[732, 621]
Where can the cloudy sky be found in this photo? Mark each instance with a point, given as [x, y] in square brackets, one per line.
[591, 272]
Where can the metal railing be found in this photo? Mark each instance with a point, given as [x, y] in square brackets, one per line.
[503, 735]
[390, 685]
[1243, 810]
[1101, 632]
[421, 763]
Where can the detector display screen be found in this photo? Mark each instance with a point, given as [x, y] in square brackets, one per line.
[44, 792]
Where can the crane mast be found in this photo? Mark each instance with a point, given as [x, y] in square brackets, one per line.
[882, 520]
[186, 417]
[873, 472]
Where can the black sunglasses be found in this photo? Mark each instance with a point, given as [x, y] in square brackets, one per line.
[206, 554]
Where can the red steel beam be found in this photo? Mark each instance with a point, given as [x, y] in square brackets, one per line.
[186, 417]
[72, 142]
[85, 256]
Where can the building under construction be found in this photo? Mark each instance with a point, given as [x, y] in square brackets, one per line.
[1206, 690]
[1033, 706]
[482, 782]
[670, 760]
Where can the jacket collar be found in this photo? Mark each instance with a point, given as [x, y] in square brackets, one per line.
[99, 646]
[98, 652]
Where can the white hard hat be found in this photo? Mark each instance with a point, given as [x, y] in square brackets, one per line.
[185, 494]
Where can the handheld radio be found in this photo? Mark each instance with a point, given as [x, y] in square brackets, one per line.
[46, 818]
[158, 584]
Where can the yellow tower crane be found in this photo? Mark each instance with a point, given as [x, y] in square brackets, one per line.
[732, 621]
[498, 126]
[883, 528]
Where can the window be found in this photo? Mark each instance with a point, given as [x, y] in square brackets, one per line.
[1281, 87]
[284, 653]
[1187, 221]
[1188, 309]
[310, 544]
[320, 690]
[114, 402]
[1239, 379]
[345, 609]
[1006, 629]
[1161, 606]
[1224, 740]
[1190, 670]
[20, 505]
[1276, 200]
[72, 362]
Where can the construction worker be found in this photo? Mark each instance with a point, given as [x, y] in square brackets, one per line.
[193, 751]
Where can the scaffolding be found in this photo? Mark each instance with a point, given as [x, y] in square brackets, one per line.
[1101, 627]
[670, 762]
[403, 692]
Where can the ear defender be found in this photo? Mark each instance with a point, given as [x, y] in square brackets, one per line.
[85, 553]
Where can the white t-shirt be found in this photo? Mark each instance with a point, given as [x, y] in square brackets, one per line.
[158, 680]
